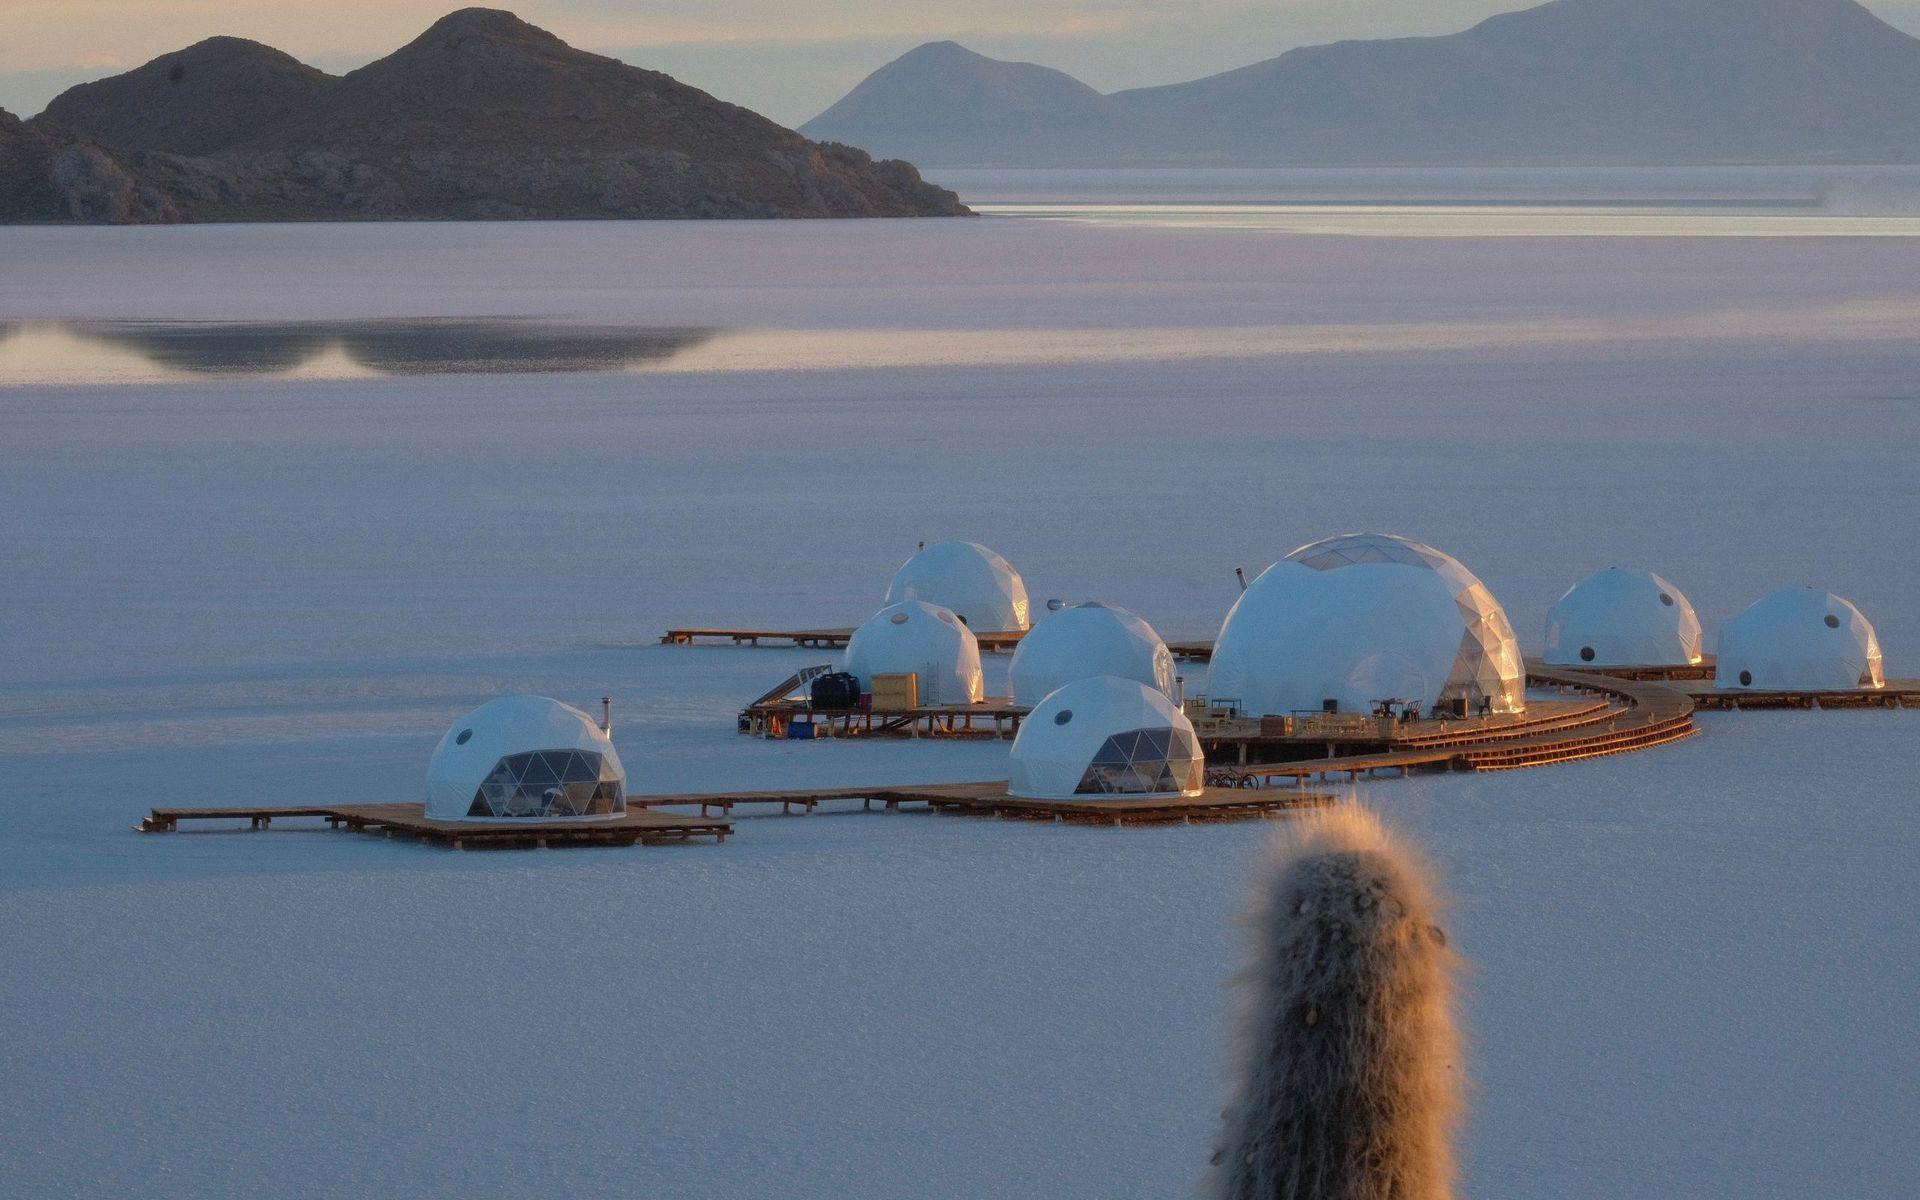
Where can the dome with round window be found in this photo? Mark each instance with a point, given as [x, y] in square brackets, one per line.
[1106, 737]
[1087, 640]
[1622, 618]
[1800, 639]
[976, 584]
[525, 757]
[1360, 619]
[915, 638]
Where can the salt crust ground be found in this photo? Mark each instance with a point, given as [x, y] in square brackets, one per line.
[1694, 968]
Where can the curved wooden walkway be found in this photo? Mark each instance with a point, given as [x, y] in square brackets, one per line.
[1633, 715]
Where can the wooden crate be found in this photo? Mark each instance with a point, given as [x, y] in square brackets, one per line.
[894, 692]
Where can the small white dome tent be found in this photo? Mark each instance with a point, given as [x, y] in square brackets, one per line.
[521, 757]
[1799, 639]
[1622, 618]
[922, 639]
[976, 584]
[1087, 640]
[1362, 618]
[1106, 737]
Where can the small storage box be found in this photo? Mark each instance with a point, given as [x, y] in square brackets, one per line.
[894, 692]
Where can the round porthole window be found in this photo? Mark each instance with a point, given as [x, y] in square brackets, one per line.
[1666, 599]
[1746, 679]
[1833, 622]
[899, 618]
[1063, 716]
[464, 736]
[1586, 654]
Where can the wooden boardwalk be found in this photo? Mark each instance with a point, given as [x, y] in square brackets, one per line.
[1898, 693]
[637, 826]
[1656, 672]
[994, 717]
[1198, 650]
[1635, 715]
[990, 799]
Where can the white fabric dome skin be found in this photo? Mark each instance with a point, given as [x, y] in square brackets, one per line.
[976, 584]
[1106, 737]
[1622, 618]
[921, 639]
[525, 757]
[1799, 639]
[1361, 618]
[1084, 641]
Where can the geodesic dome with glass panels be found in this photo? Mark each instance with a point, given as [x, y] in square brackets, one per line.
[1799, 639]
[1106, 737]
[525, 757]
[921, 639]
[1087, 640]
[1622, 618]
[971, 581]
[1364, 618]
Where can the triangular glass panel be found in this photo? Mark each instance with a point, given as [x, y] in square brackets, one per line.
[540, 771]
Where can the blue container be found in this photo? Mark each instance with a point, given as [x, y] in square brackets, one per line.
[800, 731]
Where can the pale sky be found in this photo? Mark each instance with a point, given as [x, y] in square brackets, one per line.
[784, 59]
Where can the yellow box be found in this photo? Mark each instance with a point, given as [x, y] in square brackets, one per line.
[896, 691]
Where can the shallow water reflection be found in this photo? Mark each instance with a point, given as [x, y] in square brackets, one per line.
[101, 351]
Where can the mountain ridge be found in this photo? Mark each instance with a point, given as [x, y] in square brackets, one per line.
[483, 116]
[1569, 81]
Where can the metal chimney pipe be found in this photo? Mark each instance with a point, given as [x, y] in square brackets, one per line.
[606, 715]
[1241, 574]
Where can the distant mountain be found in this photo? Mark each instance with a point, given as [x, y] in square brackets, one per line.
[957, 106]
[1573, 81]
[483, 116]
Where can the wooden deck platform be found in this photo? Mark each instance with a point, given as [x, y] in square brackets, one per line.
[819, 639]
[1898, 693]
[639, 825]
[1199, 650]
[994, 717]
[1631, 715]
[1657, 672]
[990, 799]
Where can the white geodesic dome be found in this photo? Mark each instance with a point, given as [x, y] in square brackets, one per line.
[1106, 737]
[976, 584]
[1362, 618]
[525, 757]
[1799, 639]
[922, 639]
[1087, 640]
[1622, 618]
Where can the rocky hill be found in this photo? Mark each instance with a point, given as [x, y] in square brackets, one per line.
[52, 177]
[1573, 81]
[483, 116]
[195, 101]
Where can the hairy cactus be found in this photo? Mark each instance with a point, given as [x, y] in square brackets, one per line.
[1347, 1061]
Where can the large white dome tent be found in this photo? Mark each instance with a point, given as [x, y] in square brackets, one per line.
[1106, 737]
[914, 637]
[1799, 639]
[1361, 618]
[1622, 618]
[973, 582]
[525, 757]
[1085, 640]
